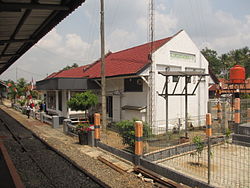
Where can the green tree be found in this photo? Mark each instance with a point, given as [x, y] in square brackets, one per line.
[213, 60]
[75, 65]
[199, 144]
[222, 64]
[21, 87]
[126, 130]
[240, 57]
[83, 101]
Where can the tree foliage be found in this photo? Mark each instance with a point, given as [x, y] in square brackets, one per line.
[83, 101]
[19, 89]
[213, 59]
[126, 130]
[221, 64]
[75, 65]
[199, 144]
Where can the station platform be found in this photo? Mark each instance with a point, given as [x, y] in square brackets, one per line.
[84, 157]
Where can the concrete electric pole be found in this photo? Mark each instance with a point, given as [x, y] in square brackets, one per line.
[103, 79]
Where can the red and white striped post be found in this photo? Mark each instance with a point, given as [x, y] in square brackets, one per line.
[97, 124]
[236, 115]
[138, 141]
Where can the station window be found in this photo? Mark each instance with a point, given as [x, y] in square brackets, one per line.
[133, 85]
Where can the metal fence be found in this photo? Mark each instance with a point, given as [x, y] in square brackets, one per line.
[229, 164]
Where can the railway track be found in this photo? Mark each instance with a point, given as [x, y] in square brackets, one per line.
[36, 163]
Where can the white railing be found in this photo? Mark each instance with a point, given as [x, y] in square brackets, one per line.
[41, 116]
[47, 119]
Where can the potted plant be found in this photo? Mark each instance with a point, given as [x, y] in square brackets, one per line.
[84, 101]
[84, 131]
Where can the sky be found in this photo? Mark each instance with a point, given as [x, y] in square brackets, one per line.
[221, 25]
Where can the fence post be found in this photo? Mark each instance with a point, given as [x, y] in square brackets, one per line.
[248, 115]
[236, 115]
[65, 126]
[219, 114]
[209, 134]
[55, 122]
[225, 115]
[41, 116]
[97, 124]
[138, 141]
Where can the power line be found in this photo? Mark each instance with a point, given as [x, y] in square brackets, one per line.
[29, 72]
[60, 56]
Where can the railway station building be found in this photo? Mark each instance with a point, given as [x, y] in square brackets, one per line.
[128, 85]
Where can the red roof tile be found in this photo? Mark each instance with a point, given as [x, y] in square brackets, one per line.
[72, 73]
[125, 62]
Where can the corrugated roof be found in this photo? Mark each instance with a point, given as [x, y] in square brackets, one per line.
[24, 22]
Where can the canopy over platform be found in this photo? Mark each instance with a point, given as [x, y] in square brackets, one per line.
[24, 22]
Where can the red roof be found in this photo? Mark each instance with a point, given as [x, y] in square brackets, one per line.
[72, 73]
[125, 62]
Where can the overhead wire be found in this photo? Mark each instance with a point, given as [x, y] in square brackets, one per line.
[93, 27]
[59, 55]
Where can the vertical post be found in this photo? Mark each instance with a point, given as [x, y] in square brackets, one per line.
[55, 122]
[236, 115]
[138, 141]
[209, 134]
[225, 114]
[166, 98]
[248, 115]
[65, 126]
[97, 123]
[186, 106]
[219, 114]
[42, 116]
[103, 80]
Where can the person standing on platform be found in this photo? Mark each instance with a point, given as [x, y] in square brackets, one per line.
[28, 109]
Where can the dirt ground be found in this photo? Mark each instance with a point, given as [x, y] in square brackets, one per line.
[230, 165]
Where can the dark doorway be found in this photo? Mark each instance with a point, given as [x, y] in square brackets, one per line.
[109, 107]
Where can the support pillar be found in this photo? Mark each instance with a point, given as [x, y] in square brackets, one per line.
[209, 134]
[97, 124]
[236, 115]
[138, 141]
[209, 124]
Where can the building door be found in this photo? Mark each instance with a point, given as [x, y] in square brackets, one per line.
[116, 108]
[109, 107]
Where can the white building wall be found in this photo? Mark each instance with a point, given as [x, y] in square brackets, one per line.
[115, 88]
[196, 106]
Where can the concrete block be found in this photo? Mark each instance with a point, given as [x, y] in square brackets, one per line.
[55, 122]
[65, 126]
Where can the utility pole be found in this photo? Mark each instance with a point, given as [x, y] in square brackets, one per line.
[103, 79]
[151, 106]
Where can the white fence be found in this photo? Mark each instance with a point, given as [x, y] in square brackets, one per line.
[41, 116]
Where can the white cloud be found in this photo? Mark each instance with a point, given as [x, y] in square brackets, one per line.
[126, 25]
[228, 33]
[120, 39]
[164, 24]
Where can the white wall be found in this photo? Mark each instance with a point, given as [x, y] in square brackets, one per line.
[115, 88]
[197, 104]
